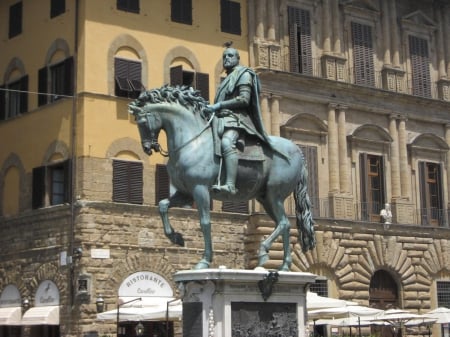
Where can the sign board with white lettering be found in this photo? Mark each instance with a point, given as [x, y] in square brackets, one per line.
[145, 284]
[46, 294]
[10, 297]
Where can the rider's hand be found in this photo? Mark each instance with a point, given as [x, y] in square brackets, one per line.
[213, 107]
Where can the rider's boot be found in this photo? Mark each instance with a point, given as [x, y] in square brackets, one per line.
[231, 166]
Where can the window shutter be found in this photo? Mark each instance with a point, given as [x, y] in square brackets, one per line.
[2, 103]
[68, 76]
[136, 183]
[363, 54]
[181, 11]
[310, 155]
[42, 86]
[38, 193]
[67, 181]
[15, 19]
[202, 84]
[420, 70]
[135, 76]
[162, 183]
[230, 17]
[235, 207]
[24, 94]
[121, 75]
[176, 75]
[300, 40]
[423, 193]
[127, 181]
[363, 171]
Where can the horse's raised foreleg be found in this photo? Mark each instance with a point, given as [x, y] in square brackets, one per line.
[176, 200]
[202, 200]
[275, 209]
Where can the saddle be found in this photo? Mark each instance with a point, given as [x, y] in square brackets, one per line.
[249, 147]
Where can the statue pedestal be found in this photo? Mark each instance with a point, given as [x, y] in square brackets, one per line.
[228, 302]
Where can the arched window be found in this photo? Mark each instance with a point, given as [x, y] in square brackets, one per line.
[14, 93]
[183, 73]
[55, 79]
[127, 73]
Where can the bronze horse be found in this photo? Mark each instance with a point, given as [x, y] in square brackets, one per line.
[193, 168]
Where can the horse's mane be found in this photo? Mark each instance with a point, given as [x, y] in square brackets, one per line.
[184, 95]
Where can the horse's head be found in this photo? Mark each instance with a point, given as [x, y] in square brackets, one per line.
[149, 124]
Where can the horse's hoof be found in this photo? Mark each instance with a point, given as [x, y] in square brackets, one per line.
[203, 264]
[176, 238]
[260, 268]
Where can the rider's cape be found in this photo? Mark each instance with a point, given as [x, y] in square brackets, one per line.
[229, 85]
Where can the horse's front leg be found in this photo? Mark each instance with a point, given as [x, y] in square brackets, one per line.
[202, 200]
[176, 200]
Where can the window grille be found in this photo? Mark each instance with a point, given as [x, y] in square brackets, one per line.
[443, 293]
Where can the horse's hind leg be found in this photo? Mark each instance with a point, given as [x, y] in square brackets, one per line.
[275, 209]
[176, 200]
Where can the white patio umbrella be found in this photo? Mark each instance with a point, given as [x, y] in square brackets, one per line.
[315, 302]
[343, 312]
[396, 317]
[441, 314]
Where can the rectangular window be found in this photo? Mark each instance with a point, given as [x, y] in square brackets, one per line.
[199, 81]
[57, 7]
[363, 65]
[431, 193]
[128, 6]
[320, 287]
[300, 52]
[420, 66]
[15, 19]
[181, 11]
[128, 184]
[230, 17]
[235, 207]
[51, 185]
[128, 76]
[443, 293]
[372, 186]
[55, 81]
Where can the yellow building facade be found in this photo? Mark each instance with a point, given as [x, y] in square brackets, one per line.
[361, 86]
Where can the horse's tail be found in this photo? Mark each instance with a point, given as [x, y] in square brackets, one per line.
[305, 222]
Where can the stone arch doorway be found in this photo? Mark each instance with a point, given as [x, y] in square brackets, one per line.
[383, 294]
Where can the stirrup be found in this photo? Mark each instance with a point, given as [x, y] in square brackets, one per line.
[225, 188]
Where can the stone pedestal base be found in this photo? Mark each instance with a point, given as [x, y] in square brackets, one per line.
[227, 302]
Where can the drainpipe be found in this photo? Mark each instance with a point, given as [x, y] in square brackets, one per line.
[73, 157]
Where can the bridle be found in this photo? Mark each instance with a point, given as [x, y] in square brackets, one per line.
[150, 139]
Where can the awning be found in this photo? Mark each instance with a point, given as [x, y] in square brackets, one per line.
[10, 316]
[149, 309]
[48, 315]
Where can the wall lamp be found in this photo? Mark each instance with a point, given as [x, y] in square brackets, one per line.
[100, 303]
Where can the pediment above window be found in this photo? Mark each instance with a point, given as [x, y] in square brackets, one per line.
[429, 142]
[418, 21]
[368, 5]
[371, 134]
[304, 123]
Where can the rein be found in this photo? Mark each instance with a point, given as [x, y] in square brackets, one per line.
[165, 153]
